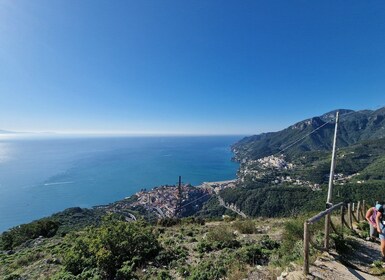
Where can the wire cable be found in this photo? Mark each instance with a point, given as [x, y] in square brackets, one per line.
[182, 206]
[310, 133]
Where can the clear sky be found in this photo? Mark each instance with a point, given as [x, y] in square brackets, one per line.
[197, 67]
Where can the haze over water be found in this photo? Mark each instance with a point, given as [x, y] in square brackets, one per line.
[41, 176]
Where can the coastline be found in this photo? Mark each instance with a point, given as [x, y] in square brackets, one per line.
[217, 184]
[170, 201]
[102, 171]
[162, 201]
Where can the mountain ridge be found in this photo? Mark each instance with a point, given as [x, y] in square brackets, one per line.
[354, 126]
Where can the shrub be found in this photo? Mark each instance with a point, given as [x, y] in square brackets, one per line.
[251, 254]
[166, 256]
[183, 270]
[115, 246]
[364, 226]
[22, 233]
[13, 277]
[222, 238]
[245, 226]
[378, 264]
[226, 265]
[217, 238]
[190, 233]
[6, 241]
[293, 231]
[269, 244]
[64, 275]
[292, 242]
[193, 220]
[28, 258]
[91, 274]
[204, 246]
[163, 275]
[126, 271]
[168, 222]
[208, 270]
[228, 218]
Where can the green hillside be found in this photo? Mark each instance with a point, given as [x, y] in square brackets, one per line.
[353, 128]
[276, 193]
[374, 171]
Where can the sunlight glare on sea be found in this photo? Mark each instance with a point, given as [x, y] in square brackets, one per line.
[5, 152]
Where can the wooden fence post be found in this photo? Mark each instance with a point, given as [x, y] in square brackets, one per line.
[363, 209]
[358, 211]
[353, 207]
[306, 240]
[327, 232]
[350, 216]
[342, 220]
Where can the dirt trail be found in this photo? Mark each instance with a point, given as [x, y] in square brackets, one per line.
[333, 266]
[363, 255]
[355, 263]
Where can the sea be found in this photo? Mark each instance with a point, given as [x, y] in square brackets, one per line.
[43, 175]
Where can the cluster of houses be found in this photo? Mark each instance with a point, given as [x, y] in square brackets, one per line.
[275, 162]
[296, 182]
[168, 201]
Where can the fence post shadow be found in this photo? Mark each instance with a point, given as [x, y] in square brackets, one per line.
[328, 224]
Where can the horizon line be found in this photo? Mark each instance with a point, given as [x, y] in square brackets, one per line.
[113, 133]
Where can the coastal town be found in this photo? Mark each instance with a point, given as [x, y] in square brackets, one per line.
[277, 171]
[169, 201]
[260, 167]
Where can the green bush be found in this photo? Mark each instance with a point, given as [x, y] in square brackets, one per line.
[223, 236]
[114, 246]
[204, 247]
[245, 226]
[364, 226]
[166, 256]
[193, 220]
[13, 277]
[63, 275]
[189, 233]
[291, 247]
[91, 274]
[218, 238]
[293, 231]
[219, 234]
[269, 244]
[126, 271]
[6, 241]
[208, 270]
[28, 258]
[251, 254]
[163, 275]
[183, 271]
[378, 264]
[18, 235]
[169, 222]
[226, 265]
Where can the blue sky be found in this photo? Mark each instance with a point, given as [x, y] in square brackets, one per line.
[186, 67]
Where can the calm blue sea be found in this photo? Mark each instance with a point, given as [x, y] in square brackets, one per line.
[41, 176]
